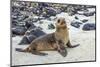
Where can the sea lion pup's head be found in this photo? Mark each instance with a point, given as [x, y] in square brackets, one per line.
[61, 23]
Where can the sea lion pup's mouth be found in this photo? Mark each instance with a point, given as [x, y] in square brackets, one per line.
[61, 23]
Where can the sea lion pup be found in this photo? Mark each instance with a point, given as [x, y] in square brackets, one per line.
[53, 41]
[45, 43]
[62, 33]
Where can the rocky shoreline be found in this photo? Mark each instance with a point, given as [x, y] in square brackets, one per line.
[26, 15]
[31, 20]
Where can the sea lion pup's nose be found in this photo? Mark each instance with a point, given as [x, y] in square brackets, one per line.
[63, 22]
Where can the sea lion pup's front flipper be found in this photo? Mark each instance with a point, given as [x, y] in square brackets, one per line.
[61, 49]
[71, 46]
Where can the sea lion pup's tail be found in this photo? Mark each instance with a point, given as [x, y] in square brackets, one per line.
[71, 46]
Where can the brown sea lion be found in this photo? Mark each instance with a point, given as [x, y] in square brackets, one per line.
[53, 41]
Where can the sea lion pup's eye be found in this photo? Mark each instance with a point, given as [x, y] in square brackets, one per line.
[58, 20]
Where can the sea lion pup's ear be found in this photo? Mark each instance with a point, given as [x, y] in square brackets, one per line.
[61, 49]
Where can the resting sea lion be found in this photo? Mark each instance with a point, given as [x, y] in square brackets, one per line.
[53, 41]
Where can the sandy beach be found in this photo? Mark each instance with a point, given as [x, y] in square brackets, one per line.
[84, 52]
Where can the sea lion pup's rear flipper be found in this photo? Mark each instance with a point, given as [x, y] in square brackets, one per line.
[20, 50]
[38, 53]
[71, 46]
[61, 49]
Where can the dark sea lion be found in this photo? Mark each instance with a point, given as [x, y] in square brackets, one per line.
[53, 41]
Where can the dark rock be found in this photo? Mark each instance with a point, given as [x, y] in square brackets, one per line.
[72, 13]
[71, 10]
[36, 10]
[51, 26]
[31, 35]
[22, 17]
[76, 24]
[24, 41]
[26, 16]
[19, 30]
[14, 8]
[27, 39]
[31, 38]
[14, 23]
[43, 5]
[39, 28]
[29, 24]
[51, 18]
[76, 17]
[89, 13]
[22, 8]
[37, 32]
[16, 15]
[91, 6]
[89, 26]
[51, 11]
[32, 26]
[84, 20]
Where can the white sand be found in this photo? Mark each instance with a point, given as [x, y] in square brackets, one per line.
[84, 52]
